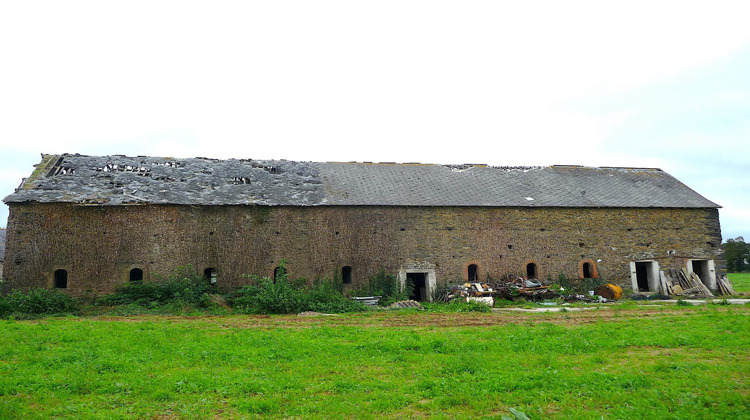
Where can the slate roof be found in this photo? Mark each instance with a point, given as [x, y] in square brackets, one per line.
[118, 180]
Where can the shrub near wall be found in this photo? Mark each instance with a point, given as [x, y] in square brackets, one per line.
[183, 287]
[37, 302]
[284, 297]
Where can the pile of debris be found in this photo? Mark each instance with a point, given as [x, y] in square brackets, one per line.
[683, 284]
[725, 287]
[367, 300]
[517, 288]
[478, 292]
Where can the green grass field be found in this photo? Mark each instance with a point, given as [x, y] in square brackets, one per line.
[621, 362]
[740, 282]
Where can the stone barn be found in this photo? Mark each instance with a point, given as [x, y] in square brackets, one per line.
[91, 223]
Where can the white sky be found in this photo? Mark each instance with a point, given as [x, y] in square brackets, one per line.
[651, 83]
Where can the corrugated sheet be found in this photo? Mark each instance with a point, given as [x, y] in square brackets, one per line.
[116, 180]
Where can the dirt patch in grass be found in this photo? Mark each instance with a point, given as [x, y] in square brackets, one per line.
[428, 320]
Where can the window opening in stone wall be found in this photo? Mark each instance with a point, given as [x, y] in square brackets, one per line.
[210, 275]
[61, 279]
[473, 273]
[531, 271]
[136, 274]
[418, 282]
[276, 273]
[587, 271]
[346, 275]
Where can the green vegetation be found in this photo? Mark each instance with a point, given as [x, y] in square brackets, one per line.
[387, 286]
[284, 297]
[740, 282]
[36, 303]
[183, 288]
[579, 286]
[737, 255]
[663, 362]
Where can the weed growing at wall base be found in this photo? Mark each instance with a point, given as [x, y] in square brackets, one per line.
[36, 303]
[284, 297]
[387, 286]
[183, 287]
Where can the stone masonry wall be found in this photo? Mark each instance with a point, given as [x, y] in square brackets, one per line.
[99, 245]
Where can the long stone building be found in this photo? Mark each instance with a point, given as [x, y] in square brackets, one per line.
[91, 223]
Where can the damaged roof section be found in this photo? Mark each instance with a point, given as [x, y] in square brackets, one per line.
[120, 180]
[117, 180]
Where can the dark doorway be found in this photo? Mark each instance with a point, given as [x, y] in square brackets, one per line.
[473, 273]
[700, 268]
[276, 273]
[641, 275]
[136, 274]
[587, 272]
[418, 282]
[531, 271]
[346, 275]
[61, 279]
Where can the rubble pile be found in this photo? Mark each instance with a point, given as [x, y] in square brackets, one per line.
[682, 283]
[516, 287]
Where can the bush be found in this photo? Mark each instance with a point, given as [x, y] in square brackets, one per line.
[283, 297]
[324, 297]
[387, 286]
[37, 302]
[183, 287]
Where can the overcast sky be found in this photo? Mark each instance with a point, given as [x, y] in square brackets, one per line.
[640, 84]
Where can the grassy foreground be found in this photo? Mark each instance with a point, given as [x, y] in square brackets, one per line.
[740, 282]
[622, 362]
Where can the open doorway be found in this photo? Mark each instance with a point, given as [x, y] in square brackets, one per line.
[418, 281]
[641, 275]
[422, 280]
[704, 269]
[644, 276]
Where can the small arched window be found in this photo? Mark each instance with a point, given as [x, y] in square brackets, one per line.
[136, 274]
[210, 275]
[276, 273]
[531, 271]
[587, 270]
[346, 275]
[473, 273]
[61, 279]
